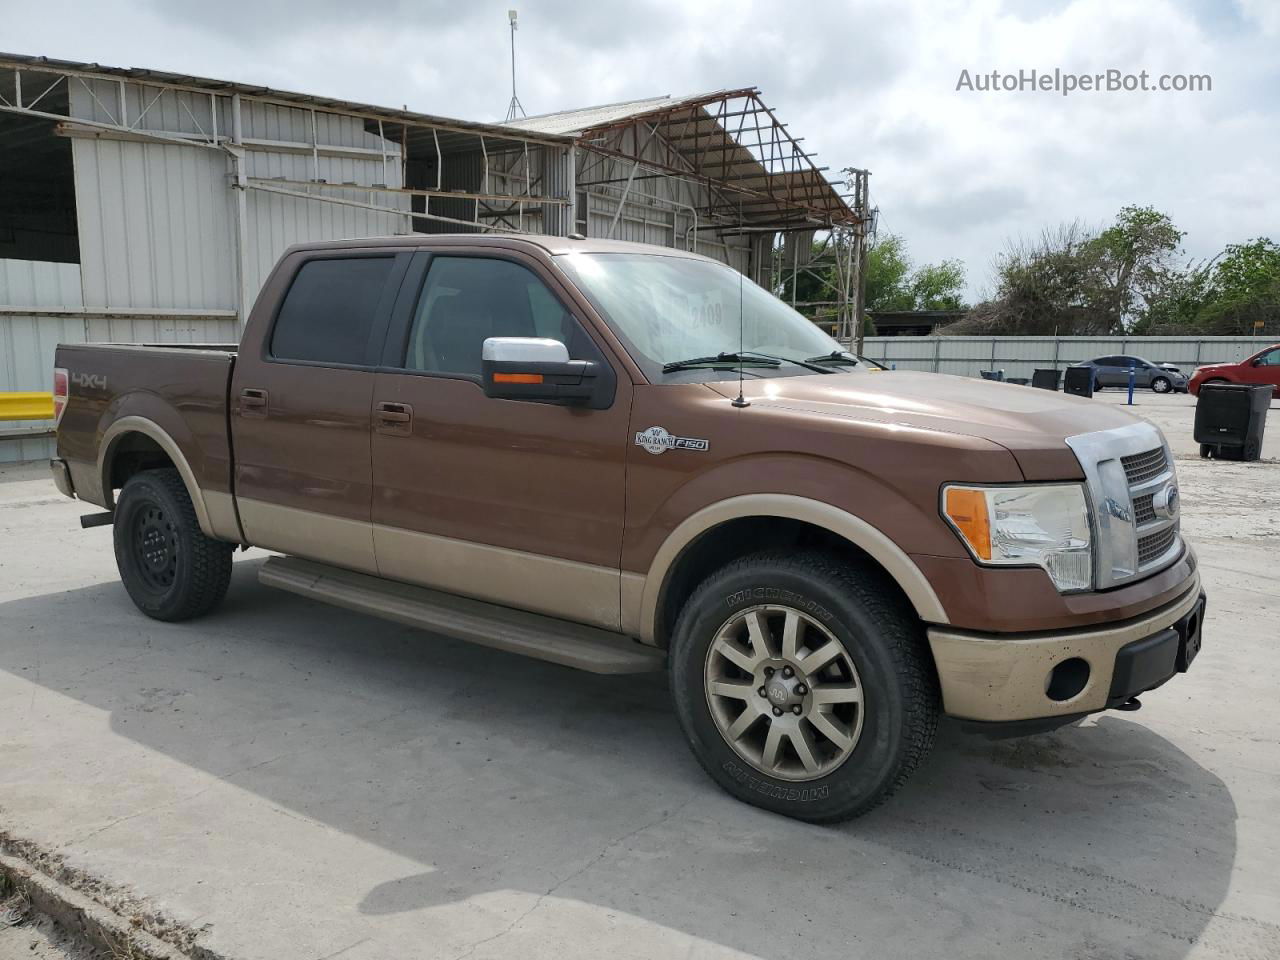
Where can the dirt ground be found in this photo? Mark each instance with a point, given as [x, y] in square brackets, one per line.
[291, 781]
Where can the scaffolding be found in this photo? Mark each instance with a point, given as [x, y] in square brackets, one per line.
[738, 172]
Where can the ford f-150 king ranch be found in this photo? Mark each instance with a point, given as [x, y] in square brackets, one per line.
[625, 458]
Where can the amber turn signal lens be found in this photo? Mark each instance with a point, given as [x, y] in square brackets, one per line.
[517, 378]
[967, 509]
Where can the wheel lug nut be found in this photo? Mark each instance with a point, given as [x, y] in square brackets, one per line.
[768, 671]
[763, 692]
[777, 711]
[801, 689]
[788, 672]
[797, 710]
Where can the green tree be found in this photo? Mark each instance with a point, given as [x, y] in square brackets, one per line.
[892, 281]
[938, 286]
[1076, 281]
[1128, 261]
[1237, 292]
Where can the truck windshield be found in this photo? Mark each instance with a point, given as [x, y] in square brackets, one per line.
[669, 310]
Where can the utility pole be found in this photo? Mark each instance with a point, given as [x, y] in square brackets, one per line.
[858, 255]
[514, 108]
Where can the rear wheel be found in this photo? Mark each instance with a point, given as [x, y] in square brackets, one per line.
[171, 570]
[803, 685]
[1161, 385]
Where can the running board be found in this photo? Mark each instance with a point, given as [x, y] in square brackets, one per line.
[543, 638]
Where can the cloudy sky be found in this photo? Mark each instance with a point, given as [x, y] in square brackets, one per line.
[869, 83]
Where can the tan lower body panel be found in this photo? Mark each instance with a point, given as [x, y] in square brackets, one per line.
[989, 678]
[527, 581]
[306, 533]
[221, 511]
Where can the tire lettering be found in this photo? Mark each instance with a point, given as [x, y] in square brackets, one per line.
[779, 595]
[772, 790]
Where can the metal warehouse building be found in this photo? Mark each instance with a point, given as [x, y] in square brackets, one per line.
[142, 206]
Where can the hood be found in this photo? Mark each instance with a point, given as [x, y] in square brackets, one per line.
[1032, 424]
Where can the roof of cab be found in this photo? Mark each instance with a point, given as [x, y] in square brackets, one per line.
[555, 246]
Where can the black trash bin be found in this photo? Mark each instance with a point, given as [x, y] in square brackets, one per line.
[1078, 381]
[1045, 379]
[1230, 418]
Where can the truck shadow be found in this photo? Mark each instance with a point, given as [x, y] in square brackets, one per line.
[502, 774]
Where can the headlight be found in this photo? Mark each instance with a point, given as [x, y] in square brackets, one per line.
[1045, 526]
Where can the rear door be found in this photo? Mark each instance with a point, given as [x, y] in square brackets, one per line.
[1109, 371]
[510, 501]
[300, 402]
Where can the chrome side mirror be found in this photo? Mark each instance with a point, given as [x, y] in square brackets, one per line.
[535, 368]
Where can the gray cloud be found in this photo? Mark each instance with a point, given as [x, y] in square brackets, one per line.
[866, 83]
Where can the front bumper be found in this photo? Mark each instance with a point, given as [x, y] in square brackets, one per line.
[995, 678]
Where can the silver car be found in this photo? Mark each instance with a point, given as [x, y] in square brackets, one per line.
[1114, 372]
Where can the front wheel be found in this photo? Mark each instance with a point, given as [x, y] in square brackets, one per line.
[1161, 385]
[803, 685]
[171, 570]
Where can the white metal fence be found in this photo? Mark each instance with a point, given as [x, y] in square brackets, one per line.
[1019, 356]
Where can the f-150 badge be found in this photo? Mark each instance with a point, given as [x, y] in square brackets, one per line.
[656, 440]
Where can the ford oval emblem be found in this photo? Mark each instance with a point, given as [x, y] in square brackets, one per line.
[1165, 502]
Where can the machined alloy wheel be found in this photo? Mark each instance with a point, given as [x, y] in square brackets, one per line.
[784, 693]
[803, 682]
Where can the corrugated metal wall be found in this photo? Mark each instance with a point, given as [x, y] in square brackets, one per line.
[157, 221]
[1019, 356]
[27, 342]
[276, 222]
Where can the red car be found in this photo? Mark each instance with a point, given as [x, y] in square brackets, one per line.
[1263, 367]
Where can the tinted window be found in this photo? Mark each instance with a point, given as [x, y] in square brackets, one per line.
[1109, 361]
[468, 299]
[329, 310]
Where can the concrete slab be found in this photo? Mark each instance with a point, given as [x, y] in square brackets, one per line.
[298, 782]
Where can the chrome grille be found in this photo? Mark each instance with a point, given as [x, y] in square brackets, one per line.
[1143, 512]
[1154, 545]
[1141, 467]
[1127, 469]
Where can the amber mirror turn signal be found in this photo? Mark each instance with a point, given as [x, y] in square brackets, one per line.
[535, 368]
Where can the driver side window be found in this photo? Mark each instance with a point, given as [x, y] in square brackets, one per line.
[466, 300]
[1269, 359]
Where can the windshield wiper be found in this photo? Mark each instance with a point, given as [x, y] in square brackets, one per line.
[807, 364]
[724, 359]
[835, 356]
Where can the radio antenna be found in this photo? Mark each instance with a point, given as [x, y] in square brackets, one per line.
[515, 108]
[740, 400]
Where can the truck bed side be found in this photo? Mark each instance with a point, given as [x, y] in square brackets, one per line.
[135, 407]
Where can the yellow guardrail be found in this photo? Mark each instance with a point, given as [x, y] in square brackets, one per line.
[26, 406]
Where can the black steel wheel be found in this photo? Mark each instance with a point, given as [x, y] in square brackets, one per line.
[169, 567]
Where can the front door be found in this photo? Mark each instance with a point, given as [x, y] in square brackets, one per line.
[1264, 368]
[515, 502]
[300, 402]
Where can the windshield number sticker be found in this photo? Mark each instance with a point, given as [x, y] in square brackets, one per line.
[656, 440]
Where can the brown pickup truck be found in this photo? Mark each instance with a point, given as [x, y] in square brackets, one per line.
[625, 458]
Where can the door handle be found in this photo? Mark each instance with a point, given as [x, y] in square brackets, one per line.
[395, 419]
[253, 402]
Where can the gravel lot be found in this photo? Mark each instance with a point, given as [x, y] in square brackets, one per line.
[294, 781]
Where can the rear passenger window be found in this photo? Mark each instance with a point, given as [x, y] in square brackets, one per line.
[328, 313]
